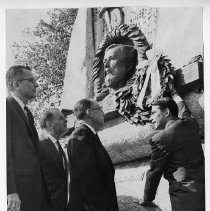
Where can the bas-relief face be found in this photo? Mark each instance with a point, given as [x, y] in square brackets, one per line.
[27, 85]
[158, 118]
[114, 67]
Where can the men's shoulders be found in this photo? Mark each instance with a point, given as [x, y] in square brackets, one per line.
[182, 124]
[9, 100]
[82, 130]
[81, 135]
[158, 135]
[43, 140]
[43, 146]
[163, 137]
[11, 107]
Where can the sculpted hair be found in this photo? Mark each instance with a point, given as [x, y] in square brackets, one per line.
[13, 73]
[81, 107]
[47, 116]
[167, 102]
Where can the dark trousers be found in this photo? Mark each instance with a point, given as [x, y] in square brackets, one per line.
[188, 196]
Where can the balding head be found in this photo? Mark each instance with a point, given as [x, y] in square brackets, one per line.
[91, 112]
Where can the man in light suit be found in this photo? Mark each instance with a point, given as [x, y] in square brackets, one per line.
[92, 186]
[53, 158]
[26, 188]
[177, 153]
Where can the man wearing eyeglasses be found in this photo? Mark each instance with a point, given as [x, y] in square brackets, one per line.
[92, 184]
[26, 189]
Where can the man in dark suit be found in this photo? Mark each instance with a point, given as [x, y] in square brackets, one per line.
[177, 153]
[26, 190]
[92, 186]
[53, 158]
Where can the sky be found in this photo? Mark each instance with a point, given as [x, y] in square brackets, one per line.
[16, 22]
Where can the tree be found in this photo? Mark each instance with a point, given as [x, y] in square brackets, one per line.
[45, 50]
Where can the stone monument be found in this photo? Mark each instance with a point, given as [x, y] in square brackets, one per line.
[125, 58]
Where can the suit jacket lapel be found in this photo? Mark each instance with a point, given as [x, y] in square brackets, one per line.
[105, 152]
[32, 126]
[20, 110]
[23, 116]
[55, 155]
[97, 141]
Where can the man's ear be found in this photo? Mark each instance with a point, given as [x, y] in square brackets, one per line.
[49, 125]
[16, 85]
[167, 112]
[88, 112]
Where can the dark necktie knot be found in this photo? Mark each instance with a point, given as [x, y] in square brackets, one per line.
[27, 111]
[29, 116]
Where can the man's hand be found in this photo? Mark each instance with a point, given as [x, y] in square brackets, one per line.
[13, 202]
[148, 204]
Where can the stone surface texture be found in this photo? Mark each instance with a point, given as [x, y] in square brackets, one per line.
[130, 182]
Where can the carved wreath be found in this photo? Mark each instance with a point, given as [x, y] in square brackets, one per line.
[127, 96]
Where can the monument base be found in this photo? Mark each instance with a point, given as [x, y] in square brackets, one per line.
[130, 180]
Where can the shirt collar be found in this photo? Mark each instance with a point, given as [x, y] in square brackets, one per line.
[84, 123]
[170, 122]
[20, 102]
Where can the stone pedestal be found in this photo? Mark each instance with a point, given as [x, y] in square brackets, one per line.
[130, 180]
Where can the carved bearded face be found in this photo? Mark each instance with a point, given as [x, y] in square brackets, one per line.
[114, 66]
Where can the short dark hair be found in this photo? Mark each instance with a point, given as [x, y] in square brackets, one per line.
[81, 107]
[167, 102]
[47, 116]
[13, 73]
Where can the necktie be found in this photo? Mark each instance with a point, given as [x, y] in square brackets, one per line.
[63, 156]
[65, 165]
[31, 124]
[30, 117]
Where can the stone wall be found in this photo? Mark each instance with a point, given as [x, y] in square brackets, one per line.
[165, 28]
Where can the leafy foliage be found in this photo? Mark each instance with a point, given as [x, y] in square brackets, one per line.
[45, 50]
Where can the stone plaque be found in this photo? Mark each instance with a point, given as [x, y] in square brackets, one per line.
[189, 76]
